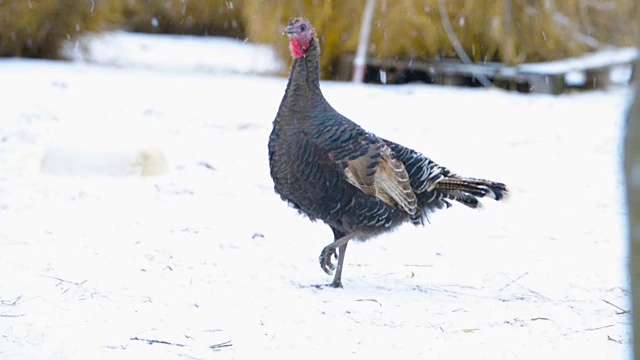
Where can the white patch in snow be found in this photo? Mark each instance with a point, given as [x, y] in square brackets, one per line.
[575, 78]
[622, 73]
[175, 53]
[83, 161]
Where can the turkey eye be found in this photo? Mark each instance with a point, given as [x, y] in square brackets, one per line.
[303, 27]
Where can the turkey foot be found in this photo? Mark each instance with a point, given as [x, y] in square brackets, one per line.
[325, 259]
[327, 253]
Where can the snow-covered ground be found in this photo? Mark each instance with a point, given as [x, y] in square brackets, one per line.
[202, 260]
[174, 52]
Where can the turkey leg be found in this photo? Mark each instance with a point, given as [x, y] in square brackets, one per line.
[330, 251]
[337, 278]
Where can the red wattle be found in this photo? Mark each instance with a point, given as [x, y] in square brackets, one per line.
[297, 51]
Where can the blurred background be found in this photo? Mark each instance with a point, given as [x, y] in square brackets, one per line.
[544, 46]
[509, 32]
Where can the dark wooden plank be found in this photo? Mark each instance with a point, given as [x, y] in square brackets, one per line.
[526, 79]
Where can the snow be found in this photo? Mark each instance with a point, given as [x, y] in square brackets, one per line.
[595, 59]
[619, 60]
[174, 52]
[203, 260]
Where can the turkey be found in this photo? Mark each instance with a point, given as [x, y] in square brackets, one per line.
[330, 169]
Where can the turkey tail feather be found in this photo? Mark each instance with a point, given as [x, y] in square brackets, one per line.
[467, 190]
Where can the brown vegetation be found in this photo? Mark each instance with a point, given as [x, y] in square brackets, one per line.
[37, 28]
[201, 17]
[510, 31]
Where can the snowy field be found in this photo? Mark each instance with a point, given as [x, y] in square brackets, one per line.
[138, 220]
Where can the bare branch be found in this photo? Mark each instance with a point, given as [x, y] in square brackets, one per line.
[11, 315]
[513, 281]
[11, 301]
[595, 328]
[153, 341]
[457, 45]
[221, 345]
[66, 281]
[621, 312]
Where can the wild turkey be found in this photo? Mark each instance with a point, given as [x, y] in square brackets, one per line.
[329, 168]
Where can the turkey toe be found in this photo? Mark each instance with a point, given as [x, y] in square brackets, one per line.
[325, 259]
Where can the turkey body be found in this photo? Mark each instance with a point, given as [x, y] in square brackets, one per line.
[331, 169]
[306, 170]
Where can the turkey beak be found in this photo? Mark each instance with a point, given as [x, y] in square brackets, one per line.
[289, 30]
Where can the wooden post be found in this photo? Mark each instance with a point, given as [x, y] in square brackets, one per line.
[509, 43]
[632, 174]
[360, 61]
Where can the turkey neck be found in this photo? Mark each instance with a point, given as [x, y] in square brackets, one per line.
[303, 88]
[305, 71]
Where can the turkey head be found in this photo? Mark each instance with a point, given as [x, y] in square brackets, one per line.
[300, 33]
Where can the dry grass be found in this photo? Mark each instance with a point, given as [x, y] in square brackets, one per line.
[192, 17]
[510, 31]
[37, 28]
